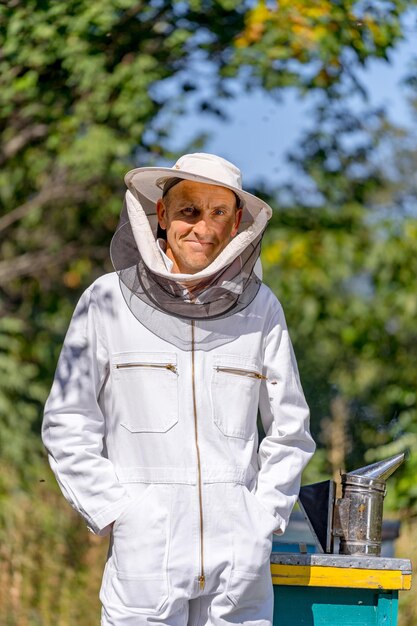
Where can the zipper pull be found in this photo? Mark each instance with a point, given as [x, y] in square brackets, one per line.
[202, 582]
[171, 368]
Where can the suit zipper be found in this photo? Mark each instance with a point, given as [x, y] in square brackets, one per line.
[167, 366]
[241, 372]
[201, 578]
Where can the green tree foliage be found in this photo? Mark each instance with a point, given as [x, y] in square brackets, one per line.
[77, 110]
[326, 41]
[340, 254]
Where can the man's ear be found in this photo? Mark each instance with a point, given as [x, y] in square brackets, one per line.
[238, 218]
[161, 212]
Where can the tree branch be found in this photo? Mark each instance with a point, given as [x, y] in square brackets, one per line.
[54, 191]
[33, 262]
[130, 13]
[21, 140]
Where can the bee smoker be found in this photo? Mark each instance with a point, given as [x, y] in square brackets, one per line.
[355, 518]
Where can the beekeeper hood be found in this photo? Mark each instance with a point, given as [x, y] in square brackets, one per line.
[224, 287]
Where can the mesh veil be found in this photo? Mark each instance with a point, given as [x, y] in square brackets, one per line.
[166, 306]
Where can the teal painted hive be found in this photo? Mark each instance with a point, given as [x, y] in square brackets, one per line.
[334, 590]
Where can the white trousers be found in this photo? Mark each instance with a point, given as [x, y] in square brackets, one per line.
[158, 552]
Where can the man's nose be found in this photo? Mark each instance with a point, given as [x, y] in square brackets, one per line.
[202, 226]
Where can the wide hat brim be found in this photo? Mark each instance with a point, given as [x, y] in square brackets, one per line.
[149, 181]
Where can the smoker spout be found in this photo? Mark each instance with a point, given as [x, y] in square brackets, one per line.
[380, 470]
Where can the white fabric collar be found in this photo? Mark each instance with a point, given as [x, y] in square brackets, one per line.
[161, 245]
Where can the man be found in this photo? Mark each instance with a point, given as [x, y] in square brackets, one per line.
[151, 424]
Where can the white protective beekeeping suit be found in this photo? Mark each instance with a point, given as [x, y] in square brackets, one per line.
[151, 422]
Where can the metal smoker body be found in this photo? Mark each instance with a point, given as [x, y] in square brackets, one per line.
[356, 517]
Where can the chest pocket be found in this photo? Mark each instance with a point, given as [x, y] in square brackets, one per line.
[146, 386]
[235, 395]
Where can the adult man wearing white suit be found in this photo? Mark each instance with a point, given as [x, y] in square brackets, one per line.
[151, 423]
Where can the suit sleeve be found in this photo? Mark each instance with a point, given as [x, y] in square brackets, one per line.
[288, 445]
[74, 426]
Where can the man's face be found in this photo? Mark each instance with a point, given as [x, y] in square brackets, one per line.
[199, 220]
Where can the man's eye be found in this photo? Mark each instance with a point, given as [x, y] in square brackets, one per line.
[189, 210]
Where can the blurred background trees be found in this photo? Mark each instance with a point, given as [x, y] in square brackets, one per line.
[89, 90]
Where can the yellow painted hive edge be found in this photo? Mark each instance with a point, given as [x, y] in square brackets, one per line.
[355, 578]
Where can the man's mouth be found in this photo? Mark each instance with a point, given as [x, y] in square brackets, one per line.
[198, 244]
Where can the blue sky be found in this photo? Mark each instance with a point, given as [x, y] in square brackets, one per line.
[260, 130]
